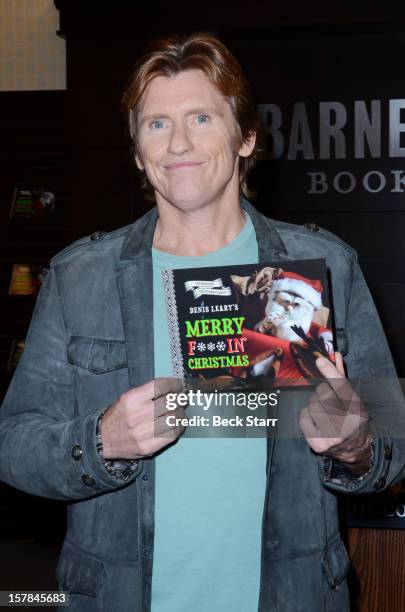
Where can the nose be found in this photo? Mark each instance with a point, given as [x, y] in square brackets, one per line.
[180, 141]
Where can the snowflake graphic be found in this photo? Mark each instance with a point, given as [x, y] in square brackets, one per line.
[211, 346]
[201, 346]
[221, 346]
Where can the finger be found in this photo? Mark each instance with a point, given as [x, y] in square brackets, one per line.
[163, 386]
[318, 442]
[307, 425]
[325, 394]
[328, 369]
[327, 424]
[334, 419]
[337, 396]
[329, 401]
[170, 402]
[329, 412]
[323, 446]
[142, 393]
[155, 388]
[323, 419]
[336, 379]
[160, 407]
[174, 424]
[339, 363]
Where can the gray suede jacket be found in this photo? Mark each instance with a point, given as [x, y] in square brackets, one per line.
[90, 339]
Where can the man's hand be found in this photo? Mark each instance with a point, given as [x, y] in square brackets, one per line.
[135, 426]
[335, 422]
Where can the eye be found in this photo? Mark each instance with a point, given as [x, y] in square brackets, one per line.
[157, 124]
[202, 118]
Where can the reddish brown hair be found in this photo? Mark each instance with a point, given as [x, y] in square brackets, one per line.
[169, 56]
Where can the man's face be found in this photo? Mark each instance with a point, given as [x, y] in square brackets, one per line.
[189, 141]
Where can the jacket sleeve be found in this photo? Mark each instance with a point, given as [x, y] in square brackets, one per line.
[370, 367]
[46, 448]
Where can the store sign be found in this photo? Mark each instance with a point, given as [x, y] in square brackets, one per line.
[385, 509]
[372, 130]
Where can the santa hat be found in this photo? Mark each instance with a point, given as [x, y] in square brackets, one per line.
[306, 288]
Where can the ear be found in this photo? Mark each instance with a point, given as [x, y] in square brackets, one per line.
[247, 145]
[139, 163]
[132, 131]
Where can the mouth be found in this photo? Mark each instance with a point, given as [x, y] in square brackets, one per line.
[183, 164]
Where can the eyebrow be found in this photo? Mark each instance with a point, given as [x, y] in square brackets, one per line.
[194, 111]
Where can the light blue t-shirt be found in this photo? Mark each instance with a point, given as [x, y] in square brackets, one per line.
[209, 491]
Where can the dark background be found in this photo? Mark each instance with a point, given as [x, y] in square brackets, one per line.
[75, 143]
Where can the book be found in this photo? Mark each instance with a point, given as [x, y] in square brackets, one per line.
[32, 203]
[16, 349]
[26, 279]
[250, 325]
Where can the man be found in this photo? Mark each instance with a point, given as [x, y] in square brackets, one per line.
[208, 524]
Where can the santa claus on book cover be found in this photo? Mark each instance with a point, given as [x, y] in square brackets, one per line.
[284, 344]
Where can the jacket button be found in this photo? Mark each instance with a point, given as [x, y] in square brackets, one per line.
[88, 480]
[380, 483]
[77, 452]
[313, 227]
[98, 235]
[388, 452]
[145, 477]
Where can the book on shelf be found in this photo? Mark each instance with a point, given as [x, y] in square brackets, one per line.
[26, 279]
[32, 203]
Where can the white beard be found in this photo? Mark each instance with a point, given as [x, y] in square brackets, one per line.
[301, 316]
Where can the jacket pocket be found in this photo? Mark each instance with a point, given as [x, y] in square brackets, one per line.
[97, 355]
[335, 562]
[79, 573]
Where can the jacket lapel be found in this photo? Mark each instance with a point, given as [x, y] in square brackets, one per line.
[271, 247]
[135, 287]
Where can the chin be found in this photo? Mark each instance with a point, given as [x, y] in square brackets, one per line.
[191, 200]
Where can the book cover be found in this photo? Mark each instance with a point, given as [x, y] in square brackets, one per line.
[31, 203]
[250, 325]
[26, 279]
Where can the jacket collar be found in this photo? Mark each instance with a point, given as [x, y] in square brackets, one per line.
[268, 239]
[140, 238]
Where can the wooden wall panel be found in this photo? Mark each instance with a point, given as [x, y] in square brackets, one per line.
[377, 578]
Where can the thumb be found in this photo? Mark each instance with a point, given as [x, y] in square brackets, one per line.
[339, 363]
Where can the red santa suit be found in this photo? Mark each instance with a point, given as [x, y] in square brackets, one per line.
[257, 343]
